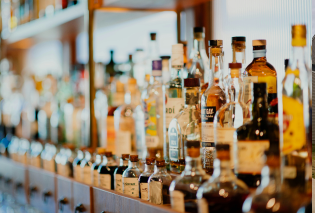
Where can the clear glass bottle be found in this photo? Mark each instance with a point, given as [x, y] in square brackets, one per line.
[198, 59]
[253, 138]
[155, 114]
[106, 172]
[271, 195]
[223, 192]
[174, 95]
[86, 167]
[144, 177]
[153, 53]
[130, 177]
[294, 112]
[260, 70]
[178, 125]
[211, 101]
[159, 183]
[239, 52]
[233, 114]
[184, 188]
[123, 165]
[100, 153]
[101, 109]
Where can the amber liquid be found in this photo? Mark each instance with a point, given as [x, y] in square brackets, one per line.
[178, 165]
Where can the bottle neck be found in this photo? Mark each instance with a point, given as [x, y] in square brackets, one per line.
[157, 79]
[112, 57]
[193, 166]
[298, 58]
[271, 178]
[148, 168]
[259, 53]
[133, 164]
[176, 72]
[153, 49]
[123, 162]
[235, 90]
[216, 66]
[260, 108]
[199, 45]
[160, 169]
[222, 168]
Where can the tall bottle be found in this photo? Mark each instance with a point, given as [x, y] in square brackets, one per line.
[259, 70]
[183, 196]
[239, 53]
[174, 96]
[153, 53]
[130, 177]
[199, 60]
[177, 128]
[233, 114]
[294, 114]
[110, 67]
[154, 113]
[255, 137]
[211, 101]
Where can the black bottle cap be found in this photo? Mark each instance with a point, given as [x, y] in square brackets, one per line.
[222, 147]
[192, 82]
[238, 38]
[215, 43]
[259, 89]
[165, 57]
[192, 144]
[286, 63]
[153, 36]
[199, 29]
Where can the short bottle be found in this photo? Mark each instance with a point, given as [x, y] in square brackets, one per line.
[76, 164]
[159, 183]
[253, 138]
[98, 161]
[183, 189]
[144, 177]
[86, 167]
[130, 177]
[123, 164]
[106, 172]
[223, 192]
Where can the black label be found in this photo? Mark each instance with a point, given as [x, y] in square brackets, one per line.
[191, 98]
[207, 114]
[173, 137]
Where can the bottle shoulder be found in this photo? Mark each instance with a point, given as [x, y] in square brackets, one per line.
[216, 184]
[261, 68]
[131, 172]
[214, 91]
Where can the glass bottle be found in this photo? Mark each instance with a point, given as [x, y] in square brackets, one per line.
[144, 177]
[98, 161]
[101, 110]
[153, 53]
[199, 60]
[253, 138]
[239, 53]
[178, 125]
[184, 188]
[271, 195]
[106, 172]
[223, 192]
[260, 70]
[110, 67]
[165, 68]
[159, 183]
[154, 114]
[233, 114]
[294, 112]
[174, 97]
[76, 164]
[211, 101]
[216, 62]
[123, 164]
[130, 177]
[86, 167]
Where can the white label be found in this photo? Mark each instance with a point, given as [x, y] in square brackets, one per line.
[248, 87]
[124, 142]
[172, 108]
[203, 206]
[155, 192]
[77, 173]
[177, 201]
[95, 177]
[151, 141]
[131, 186]
[225, 136]
[87, 175]
[289, 172]
[144, 191]
[207, 132]
[118, 183]
[250, 155]
[105, 181]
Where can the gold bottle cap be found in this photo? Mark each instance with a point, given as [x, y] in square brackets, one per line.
[299, 35]
[260, 42]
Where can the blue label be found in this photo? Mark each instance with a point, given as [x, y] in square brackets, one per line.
[173, 137]
[173, 154]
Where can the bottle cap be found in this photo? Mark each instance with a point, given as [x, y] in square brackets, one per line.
[157, 68]
[299, 35]
[177, 55]
[286, 63]
[259, 89]
[235, 65]
[192, 82]
[125, 156]
[100, 150]
[149, 161]
[199, 29]
[215, 43]
[133, 158]
[260, 42]
[108, 154]
[165, 57]
[160, 163]
[238, 38]
[223, 151]
[130, 57]
[184, 43]
[153, 36]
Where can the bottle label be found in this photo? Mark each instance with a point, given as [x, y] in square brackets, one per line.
[51, 166]
[173, 143]
[87, 175]
[144, 191]
[177, 201]
[203, 206]
[250, 155]
[294, 134]
[289, 172]
[151, 138]
[207, 132]
[172, 107]
[155, 192]
[207, 113]
[192, 98]
[77, 172]
[105, 181]
[118, 183]
[124, 142]
[131, 186]
[226, 136]
[95, 177]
